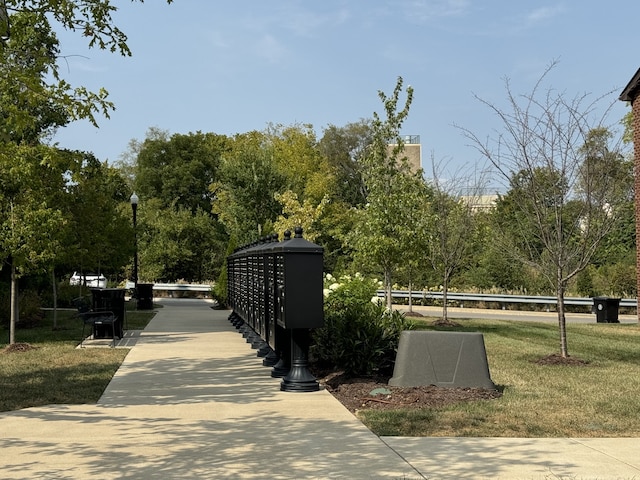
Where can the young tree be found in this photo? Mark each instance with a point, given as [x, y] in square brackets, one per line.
[452, 232]
[383, 232]
[562, 205]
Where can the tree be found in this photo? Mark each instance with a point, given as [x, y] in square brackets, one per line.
[101, 234]
[180, 237]
[34, 101]
[178, 170]
[244, 196]
[382, 232]
[178, 244]
[28, 222]
[299, 214]
[31, 173]
[452, 232]
[561, 205]
[296, 155]
[91, 17]
[344, 148]
[33, 73]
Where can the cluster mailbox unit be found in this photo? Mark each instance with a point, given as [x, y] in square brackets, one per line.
[275, 291]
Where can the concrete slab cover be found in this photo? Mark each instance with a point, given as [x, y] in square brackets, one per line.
[444, 359]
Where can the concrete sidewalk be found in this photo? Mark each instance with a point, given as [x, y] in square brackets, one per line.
[192, 400]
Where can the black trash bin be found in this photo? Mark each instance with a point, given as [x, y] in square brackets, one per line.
[110, 300]
[144, 294]
[606, 309]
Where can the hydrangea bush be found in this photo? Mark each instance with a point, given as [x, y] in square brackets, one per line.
[360, 335]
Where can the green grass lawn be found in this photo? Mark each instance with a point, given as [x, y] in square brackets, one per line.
[601, 399]
[55, 372]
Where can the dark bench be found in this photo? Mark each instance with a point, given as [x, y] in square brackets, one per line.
[95, 319]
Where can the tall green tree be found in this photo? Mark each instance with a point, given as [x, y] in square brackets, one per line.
[563, 204]
[244, 197]
[296, 154]
[100, 230]
[34, 101]
[383, 231]
[344, 148]
[31, 173]
[178, 170]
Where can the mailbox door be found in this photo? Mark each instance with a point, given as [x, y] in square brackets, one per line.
[303, 302]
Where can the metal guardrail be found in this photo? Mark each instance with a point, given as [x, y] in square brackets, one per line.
[498, 298]
[178, 287]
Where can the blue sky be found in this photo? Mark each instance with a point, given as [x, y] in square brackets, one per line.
[235, 66]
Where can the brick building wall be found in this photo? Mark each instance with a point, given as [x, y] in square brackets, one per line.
[630, 94]
[636, 175]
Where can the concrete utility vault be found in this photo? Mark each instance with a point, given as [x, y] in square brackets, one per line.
[444, 359]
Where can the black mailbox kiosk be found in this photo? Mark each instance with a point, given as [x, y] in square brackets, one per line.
[300, 300]
[275, 290]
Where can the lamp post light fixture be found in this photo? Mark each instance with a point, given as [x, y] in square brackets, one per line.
[134, 207]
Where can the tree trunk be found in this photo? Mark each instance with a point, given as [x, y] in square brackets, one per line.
[410, 297]
[387, 286]
[15, 309]
[562, 324]
[445, 291]
[55, 298]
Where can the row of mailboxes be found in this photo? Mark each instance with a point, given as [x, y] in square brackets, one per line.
[277, 281]
[276, 288]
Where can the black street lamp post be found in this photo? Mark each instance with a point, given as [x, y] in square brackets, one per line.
[134, 208]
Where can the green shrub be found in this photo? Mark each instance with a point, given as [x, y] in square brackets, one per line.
[219, 291]
[360, 336]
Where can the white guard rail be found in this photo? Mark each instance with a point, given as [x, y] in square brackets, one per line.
[176, 287]
[498, 298]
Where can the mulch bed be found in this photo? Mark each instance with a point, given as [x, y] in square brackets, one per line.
[557, 359]
[18, 347]
[375, 393]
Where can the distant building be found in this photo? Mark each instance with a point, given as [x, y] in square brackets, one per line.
[412, 150]
[480, 203]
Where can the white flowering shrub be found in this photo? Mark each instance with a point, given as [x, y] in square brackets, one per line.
[360, 335]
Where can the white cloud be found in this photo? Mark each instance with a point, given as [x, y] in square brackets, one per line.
[425, 10]
[543, 14]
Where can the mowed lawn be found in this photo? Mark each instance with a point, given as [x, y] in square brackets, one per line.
[51, 370]
[601, 399]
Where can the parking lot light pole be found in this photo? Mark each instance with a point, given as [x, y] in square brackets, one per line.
[134, 207]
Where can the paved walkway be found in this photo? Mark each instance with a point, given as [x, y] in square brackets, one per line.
[192, 400]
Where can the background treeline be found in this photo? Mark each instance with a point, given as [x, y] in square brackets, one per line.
[202, 192]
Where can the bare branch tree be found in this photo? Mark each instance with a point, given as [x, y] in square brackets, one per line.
[559, 160]
[454, 202]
